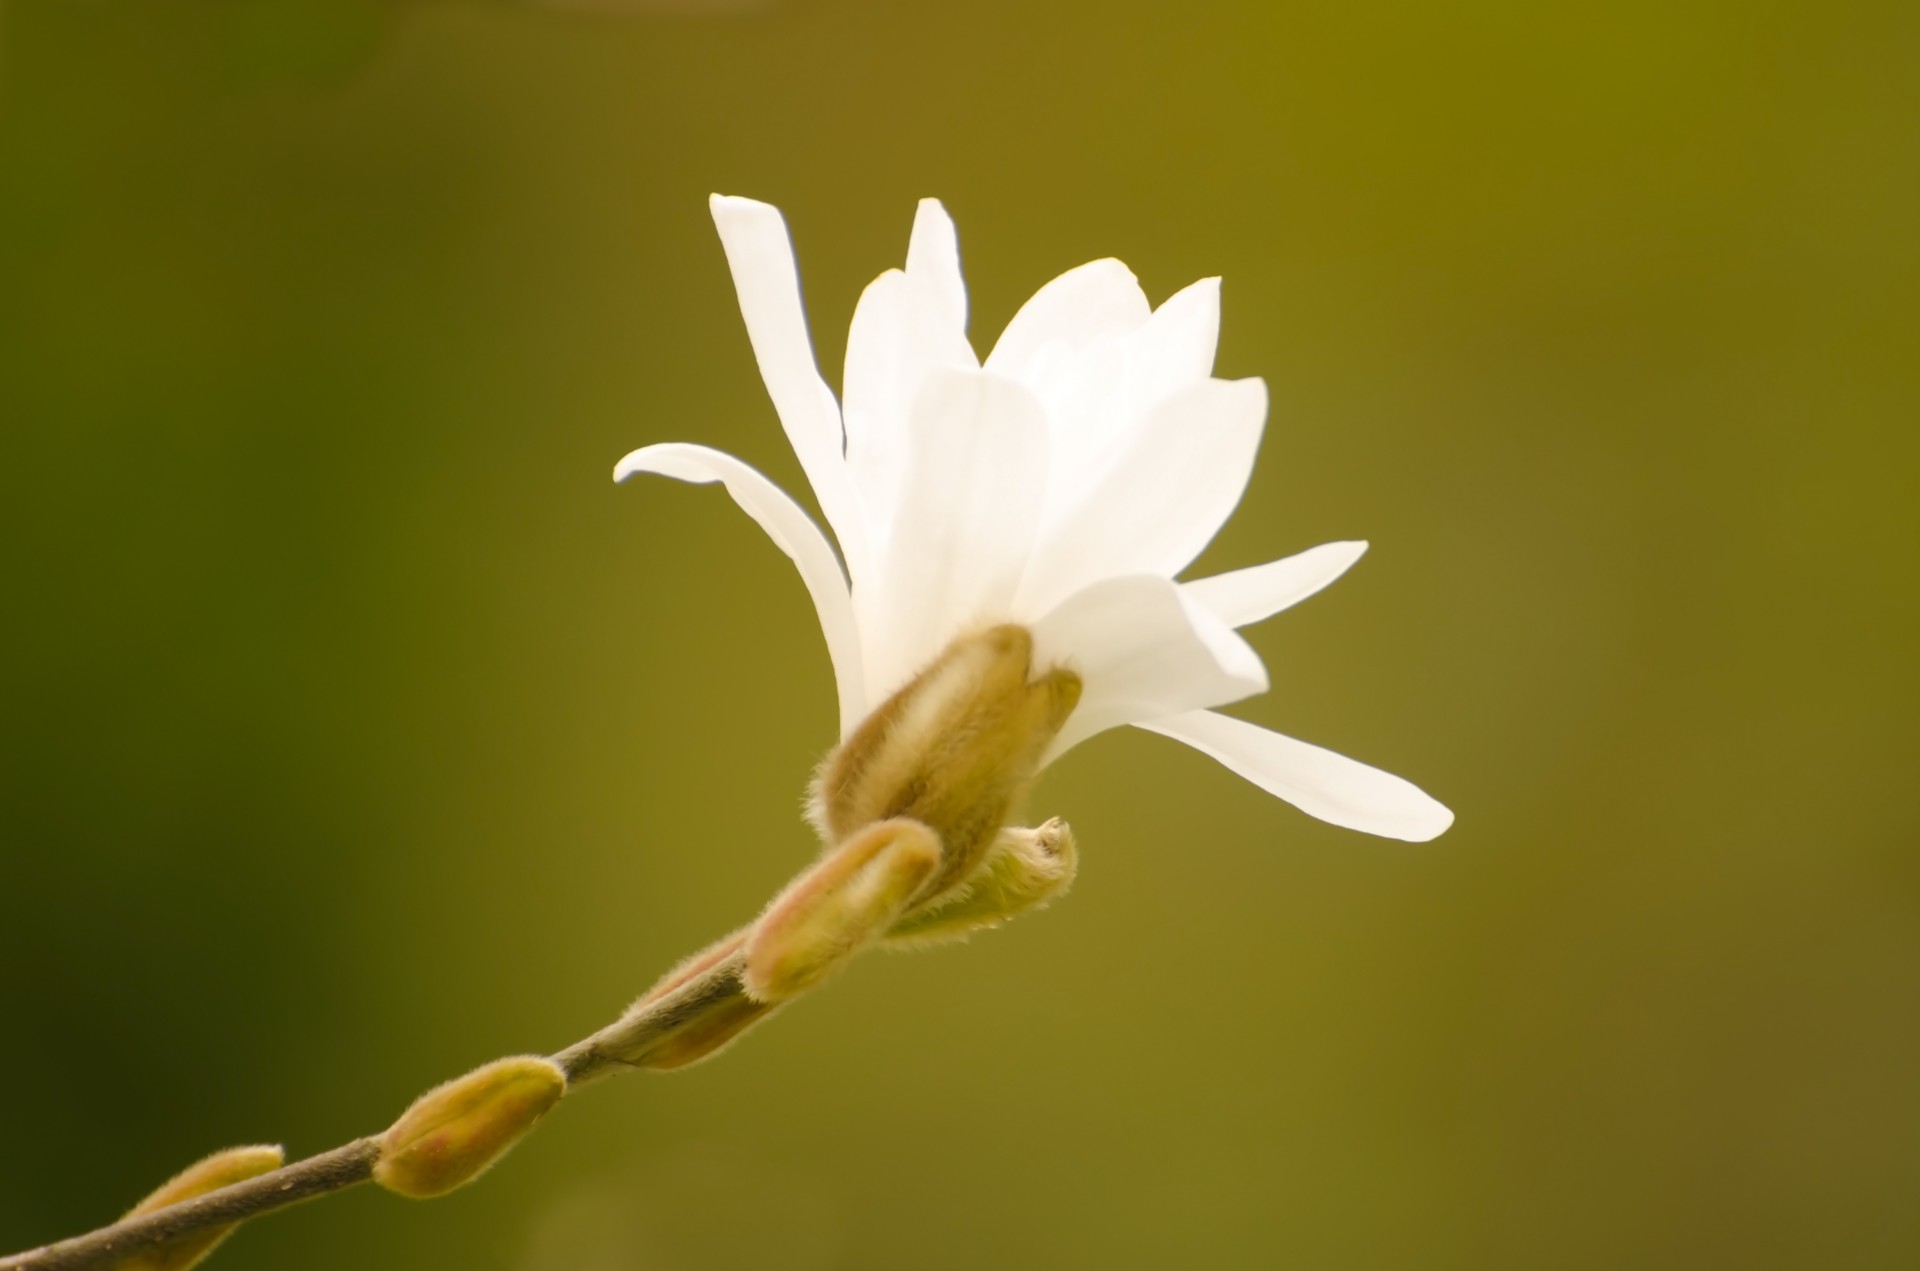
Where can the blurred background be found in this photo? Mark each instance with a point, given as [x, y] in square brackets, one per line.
[355, 729]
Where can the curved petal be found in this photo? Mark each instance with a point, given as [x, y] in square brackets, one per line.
[792, 532]
[1242, 597]
[1336, 789]
[1177, 344]
[1099, 298]
[1160, 497]
[1142, 653]
[760, 255]
[976, 467]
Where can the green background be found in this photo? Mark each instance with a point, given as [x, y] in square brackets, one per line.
[355, 729]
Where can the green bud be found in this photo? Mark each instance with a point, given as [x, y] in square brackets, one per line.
[209, 1174]
[1023, 871]
[953, 750]
[453, 1133]
[840, 906]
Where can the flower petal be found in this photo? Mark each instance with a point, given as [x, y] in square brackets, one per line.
[1176, 345]
[976, 467]
[876, 405]
[1242, 597]
[792, 532]
[1142, 652]
[760, 255]
[1160, 497]
[936, 293]
[1336, 789]
[1099, 298]
[907, 325]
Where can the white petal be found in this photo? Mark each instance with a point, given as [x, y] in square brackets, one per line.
[1334, 788]
[908, 324]
[1142, 653]
[1096, 393]
[936, 294]
[1176, 345]
[1161, 496]
[976, 467]
[876, 398]
[1099, 298]
[792, 532]
[760, 254]
[1246, 596]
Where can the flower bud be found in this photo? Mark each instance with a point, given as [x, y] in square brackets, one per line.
[209, 1174]
[706, 1025]
[951, 750]
[841, 905]
[708, 1035]
[453, 1133]
[1023, 871]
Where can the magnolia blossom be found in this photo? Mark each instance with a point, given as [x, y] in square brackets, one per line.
[1062, 484]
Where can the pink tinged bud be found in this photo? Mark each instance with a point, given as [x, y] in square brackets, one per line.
[708, 1035]
[693, 967]
[712, 1024]
[210, 1174]
[453, 1133]
[839, 907]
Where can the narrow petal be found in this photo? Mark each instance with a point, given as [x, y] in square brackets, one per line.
[1142, 653]
[976, 466]
[1246, 596]
[1336, 789]
[760, 254]
[936, 293]
[792, 532]
[1099, 298]
[1160, 497]
[908, 324]
[875, 392]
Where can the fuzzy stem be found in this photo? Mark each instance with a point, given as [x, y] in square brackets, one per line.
[621, 1046]
[262, 1194]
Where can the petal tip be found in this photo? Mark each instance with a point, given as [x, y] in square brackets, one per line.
[1429, 825]
[733, 207]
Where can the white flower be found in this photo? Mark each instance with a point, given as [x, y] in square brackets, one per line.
[1060, 485]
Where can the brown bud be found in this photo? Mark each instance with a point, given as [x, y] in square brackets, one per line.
[952, 750]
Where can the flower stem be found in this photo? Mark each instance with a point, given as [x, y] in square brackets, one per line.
[656, 1022]
[303, 1180]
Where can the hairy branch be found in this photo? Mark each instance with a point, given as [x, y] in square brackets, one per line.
[303, 1180]
[711, 1002]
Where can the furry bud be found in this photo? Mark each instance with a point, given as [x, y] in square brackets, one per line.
[1023, 871]
[209, 1174]
[953, 749]
[840, 906]
[705, 1023]
[453, 1133]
